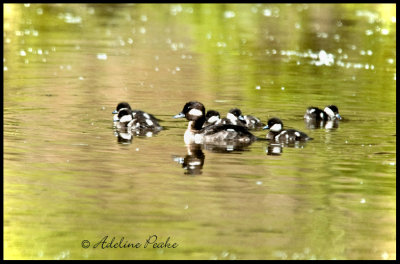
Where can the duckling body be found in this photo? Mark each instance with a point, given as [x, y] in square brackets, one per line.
[212, 118]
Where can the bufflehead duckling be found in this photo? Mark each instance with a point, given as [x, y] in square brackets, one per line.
[212, 117]
[253, 122]
[331, 112]
[194, 112]
[140, 122]
[235, 117]
[278, 134]
[124, 105]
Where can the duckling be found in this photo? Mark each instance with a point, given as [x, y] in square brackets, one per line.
[212, 117]
[138, 121]
[331, 112]
[278, 134]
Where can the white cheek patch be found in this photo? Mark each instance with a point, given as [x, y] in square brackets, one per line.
[231, 117]
[213, 119]
[149, 122]
[321, 115]
[146, 115]
[311, 111]
[276, 127]
[125, 118]
[329, 112]
[230, 130]
[297, 134]
[195, 112]
[134, 113]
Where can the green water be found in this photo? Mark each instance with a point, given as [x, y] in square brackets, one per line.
[67, 178]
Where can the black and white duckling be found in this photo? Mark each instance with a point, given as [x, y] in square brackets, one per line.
[236, 117]
[278, 134]
[331, 112]
[212, 118]
[140, 122]
[194, 112]
[233, 117]
[253, 122]
[124, 105]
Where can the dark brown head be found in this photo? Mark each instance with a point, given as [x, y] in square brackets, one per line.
[193, 111]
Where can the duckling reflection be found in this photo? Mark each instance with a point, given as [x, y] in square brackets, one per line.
[124, 136]
[193, 162]
[315, 124]
[274, 149]
[227, 148]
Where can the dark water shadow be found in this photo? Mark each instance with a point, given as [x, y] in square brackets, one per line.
[193, 162]
[314, 124]
[276, 148]
[125, 136]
